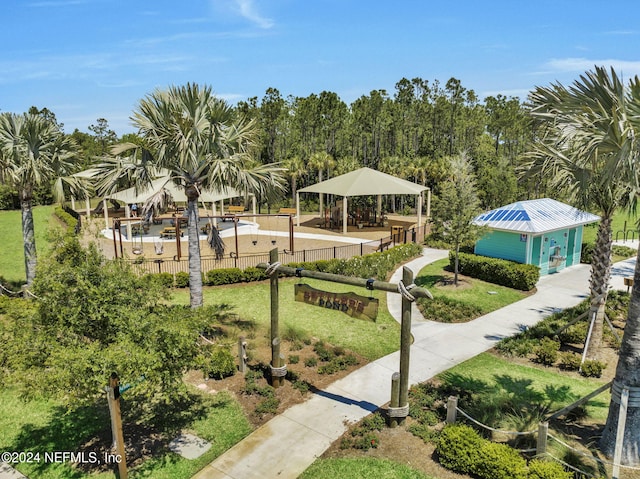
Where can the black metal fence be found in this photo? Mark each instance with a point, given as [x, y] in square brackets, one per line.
[173, 266]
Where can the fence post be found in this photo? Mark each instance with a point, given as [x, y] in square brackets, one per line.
[395, 397]
[452, 404]
[541, 444]
[242, 354]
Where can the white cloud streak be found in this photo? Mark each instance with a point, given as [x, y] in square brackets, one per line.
[573, 65]
[248, 10]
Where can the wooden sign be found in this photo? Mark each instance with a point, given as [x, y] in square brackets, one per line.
[361, 307]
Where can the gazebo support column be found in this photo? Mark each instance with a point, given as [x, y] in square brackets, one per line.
[87, 203]
[345, 215]
[105, 209]
[419, 209]
[379, 208]
[297, 208]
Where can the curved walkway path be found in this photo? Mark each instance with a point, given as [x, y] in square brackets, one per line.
[288, 444]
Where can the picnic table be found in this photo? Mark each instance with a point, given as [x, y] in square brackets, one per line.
[169, 232]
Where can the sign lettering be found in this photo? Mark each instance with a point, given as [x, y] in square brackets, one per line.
[353, 304]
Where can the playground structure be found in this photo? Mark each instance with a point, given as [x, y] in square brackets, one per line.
[135, 228]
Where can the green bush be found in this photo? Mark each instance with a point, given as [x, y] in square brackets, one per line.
[586, 254]
[539, 469]
[458, 448]
[499, 461]
[254, 274]
[217, 277]
[447, 310]
[67, 219]
[221, 364]
[592, 368]
[498, 271]
[547, 351]
[267, 406]
[164, 279]
[570, 361]
[517, 346]
[182, 279]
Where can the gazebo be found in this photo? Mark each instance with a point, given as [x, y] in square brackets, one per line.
[366, 182]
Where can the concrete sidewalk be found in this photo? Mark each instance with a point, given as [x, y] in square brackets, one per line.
[288, 444]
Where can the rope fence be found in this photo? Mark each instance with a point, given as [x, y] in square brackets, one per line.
[543, 435]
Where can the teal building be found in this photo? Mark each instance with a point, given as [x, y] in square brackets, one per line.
[543, 232]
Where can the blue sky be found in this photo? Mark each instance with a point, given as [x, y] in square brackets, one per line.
[90, 59]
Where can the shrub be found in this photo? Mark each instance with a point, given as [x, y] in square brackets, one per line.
[164, 279]
[499, 461]
[570, 361]
[586, 253]
[294, 359]
[516, 346]
[447, 310]
[216, 277]
[539, 469]
[267, 406]
[592, 368]
[424, 432]
[547, 352]
[498, 271]
[311, 362]
[221, 363]
[254, 274]
[458, 448]
[182, 279]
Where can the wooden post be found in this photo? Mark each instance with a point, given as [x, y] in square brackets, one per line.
[405, 343]
[452, 404]
[395, 397]
[242, 354]
[113, 397]
[541, 444]
[622, 419]
[275, 334]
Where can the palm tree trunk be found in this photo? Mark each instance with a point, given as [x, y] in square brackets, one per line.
[195, 267]
[28, 236]
[599, 285]
[627, 375]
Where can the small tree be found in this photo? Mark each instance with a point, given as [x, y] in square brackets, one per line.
[458, 205]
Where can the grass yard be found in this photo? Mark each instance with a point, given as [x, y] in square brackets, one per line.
[12, 257]
[617, 226]
[251, 301]
[493, 377]
[43, 426]
[472, 298]
[347, 468]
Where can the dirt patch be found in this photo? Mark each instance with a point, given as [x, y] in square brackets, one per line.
[303, 376]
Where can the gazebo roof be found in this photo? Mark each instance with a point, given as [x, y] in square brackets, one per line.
[365, 181]
[535, 216]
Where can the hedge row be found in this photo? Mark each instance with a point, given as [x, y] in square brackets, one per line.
[499, 271]
[67, 219]
[374, 265]
[461, 449]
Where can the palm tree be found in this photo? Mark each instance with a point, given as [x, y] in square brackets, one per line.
[199, 141]
[628, 368]
[584, 151]
[33, 153]
[321, 161]
[295, 169]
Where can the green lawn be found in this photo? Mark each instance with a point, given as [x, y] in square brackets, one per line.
[473, 297]
[12, 257]
[252, 302]
[41, 425]
[346, 468]
[488, 375]
[617, 226]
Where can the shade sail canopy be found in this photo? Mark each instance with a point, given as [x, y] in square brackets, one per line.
[130, 195]
[365, 181]
[535, 216]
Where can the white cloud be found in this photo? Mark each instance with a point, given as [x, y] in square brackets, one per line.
[573, 65]
[244, 8]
